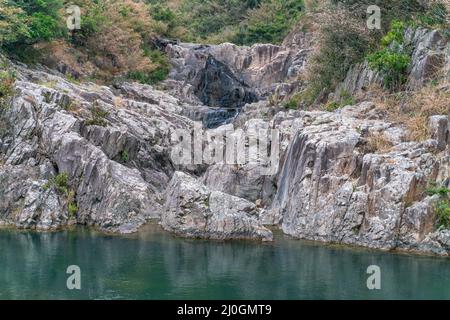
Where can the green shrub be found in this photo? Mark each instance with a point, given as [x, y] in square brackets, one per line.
[98, 117]
[344, 42]
[291, 104]
[124, 156]
[332, 106]
[401, 10]
[435, 17]
[43, 27]
[392, 66]
[13, 24]
[7, 79]
[443, 214]
[270, 22]
[98, 112]
[28, 22]
[393, 60]
[205, 19]
[441, 191]
[442, 207]
[164, 14]
[239, 21]
[396, 34]
[346, 99]
[61, 182]
[294, 102]
[73, 209]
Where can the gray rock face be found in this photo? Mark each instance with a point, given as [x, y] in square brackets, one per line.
[262, 66]
[228, 76]
[114, 148]
[430, 55]
[331, 188]
[216, 86]
[334, 183]
[430, 52]
[440, 129]
[192, 210]
[26, 203]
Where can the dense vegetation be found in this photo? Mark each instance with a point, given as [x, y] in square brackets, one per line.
[116, 38]
[442, 206]
[239, 21]
[7, 79]
[346, 40]
[393, 59]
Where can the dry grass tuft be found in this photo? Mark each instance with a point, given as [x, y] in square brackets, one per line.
[378, 143]
[413, 109]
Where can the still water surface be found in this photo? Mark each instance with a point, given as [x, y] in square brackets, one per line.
[156, 265]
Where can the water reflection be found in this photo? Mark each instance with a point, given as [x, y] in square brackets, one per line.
[155, 265]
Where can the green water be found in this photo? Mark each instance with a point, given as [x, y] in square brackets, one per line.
[155, 265]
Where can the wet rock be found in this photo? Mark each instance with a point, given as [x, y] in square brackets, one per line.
[228, 76]
[217, 86]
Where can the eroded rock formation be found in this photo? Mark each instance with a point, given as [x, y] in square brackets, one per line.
[333, 182]
[192, 210]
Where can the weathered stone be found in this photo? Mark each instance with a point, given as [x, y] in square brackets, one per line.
[192, 210]
[330, 189]
[440, 130]
[26, 202]
[117, 165]
[430, 55]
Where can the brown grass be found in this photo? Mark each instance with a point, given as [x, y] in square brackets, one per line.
[413, 109]
[378, 143]
[114, 49]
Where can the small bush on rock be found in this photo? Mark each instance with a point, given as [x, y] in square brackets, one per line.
[392, 66]
[442, 207]
[393, 60]
[7, 79]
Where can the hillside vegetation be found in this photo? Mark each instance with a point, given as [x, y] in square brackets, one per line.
[345, 40]
[116, 38]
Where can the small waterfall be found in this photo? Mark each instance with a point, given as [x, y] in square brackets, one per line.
[217, 117]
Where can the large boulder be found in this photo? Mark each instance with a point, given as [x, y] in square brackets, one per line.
[192, 210]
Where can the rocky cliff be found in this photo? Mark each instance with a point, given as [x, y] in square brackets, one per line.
[80, 153]
[430, 55]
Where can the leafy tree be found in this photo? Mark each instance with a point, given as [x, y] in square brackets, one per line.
[24, 23]
[13, 25]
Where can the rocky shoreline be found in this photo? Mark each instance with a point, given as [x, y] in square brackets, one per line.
[79, 153]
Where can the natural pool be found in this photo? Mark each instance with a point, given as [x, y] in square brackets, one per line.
[156, 265]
